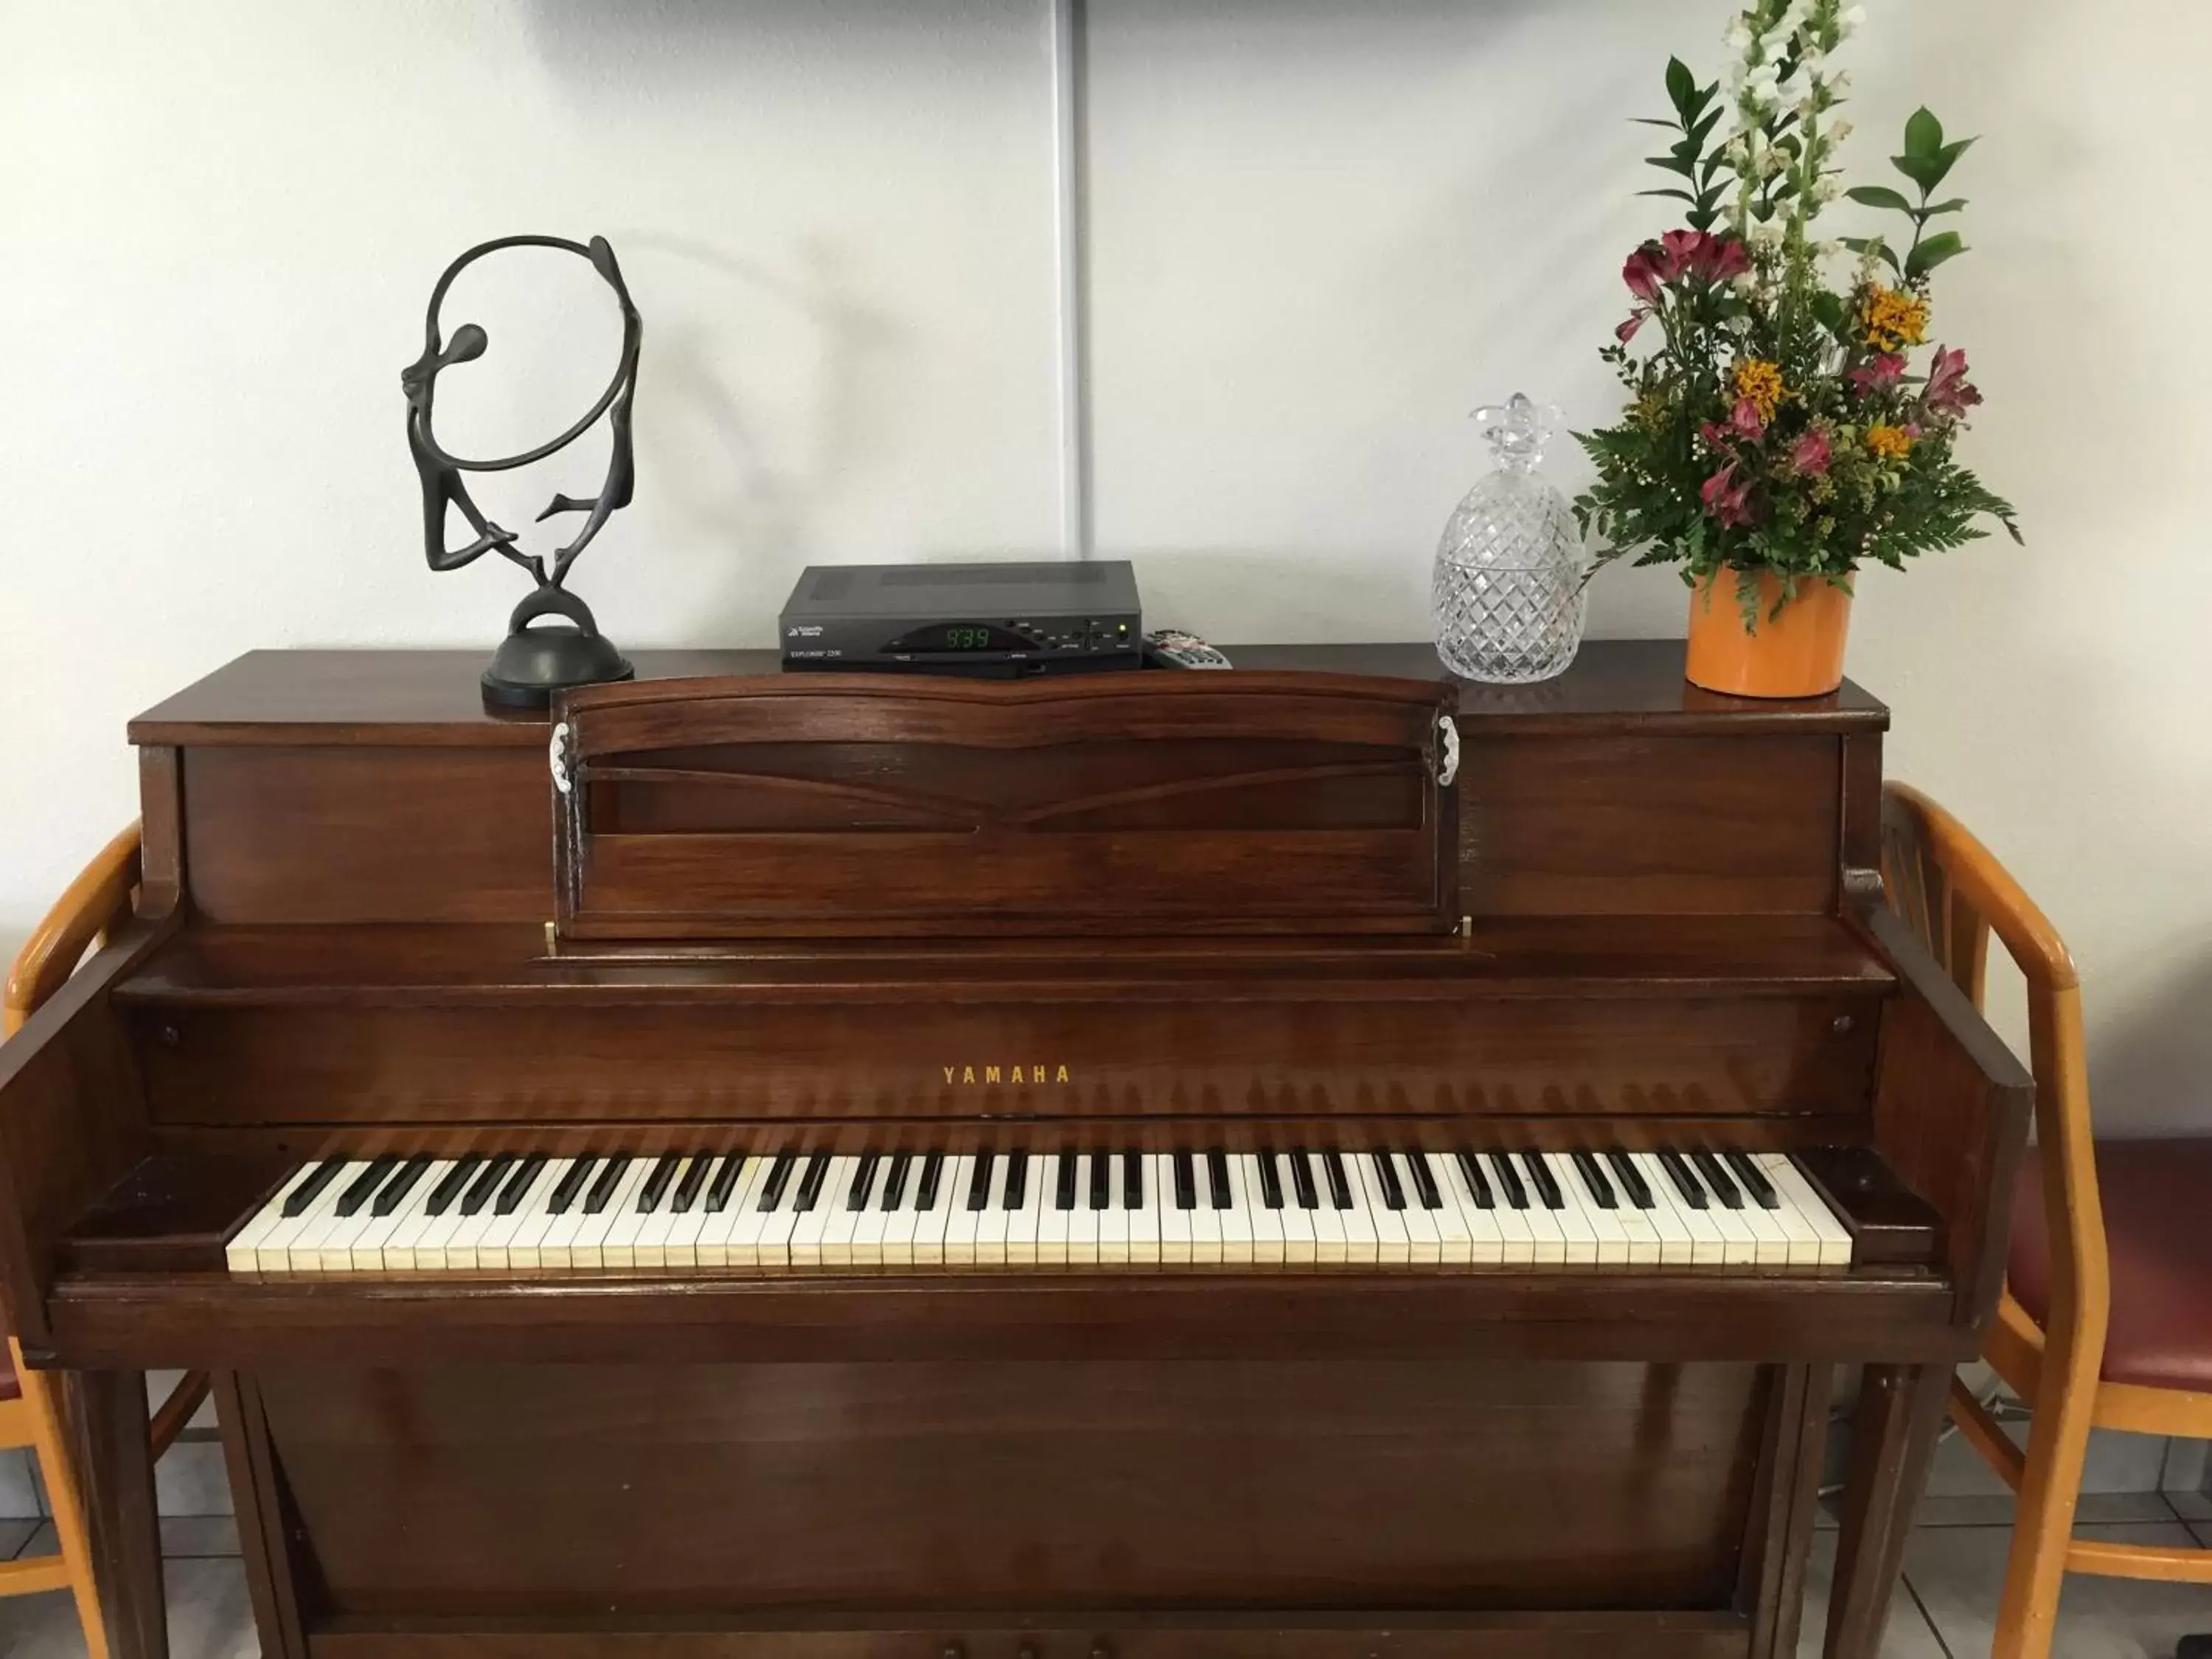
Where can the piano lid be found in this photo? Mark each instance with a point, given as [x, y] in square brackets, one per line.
[876, 806]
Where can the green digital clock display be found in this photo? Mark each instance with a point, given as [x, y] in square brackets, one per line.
[966, 638]
[950, 637]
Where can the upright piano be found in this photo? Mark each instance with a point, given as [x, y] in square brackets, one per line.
[1319, 1160]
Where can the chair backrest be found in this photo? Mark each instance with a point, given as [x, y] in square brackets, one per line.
[1952, 891]
[96, 900]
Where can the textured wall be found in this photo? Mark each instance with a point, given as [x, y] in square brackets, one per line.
[1320, 234]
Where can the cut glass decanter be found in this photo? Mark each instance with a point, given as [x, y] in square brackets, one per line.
[1507, 603]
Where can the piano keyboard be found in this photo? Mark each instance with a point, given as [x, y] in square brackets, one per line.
[800, 1212]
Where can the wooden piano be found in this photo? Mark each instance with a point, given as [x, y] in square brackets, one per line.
[1318, 1161]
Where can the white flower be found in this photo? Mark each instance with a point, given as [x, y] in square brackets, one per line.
[1851, 20]
[1839, 131]
[1768, 234]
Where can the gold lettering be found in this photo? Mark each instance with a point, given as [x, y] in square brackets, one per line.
[990, 1075]
[948, 1075]
[967, 1074]
[1063, 1077]
[1036, 1073]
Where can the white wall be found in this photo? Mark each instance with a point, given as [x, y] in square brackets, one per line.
[1322, 231]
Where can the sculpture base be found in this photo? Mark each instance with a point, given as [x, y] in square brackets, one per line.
[532, 664]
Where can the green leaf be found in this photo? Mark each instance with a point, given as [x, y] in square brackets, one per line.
[1880, 196]
[1654, 121]
[1860, 243]
[1949, 154]
[1682, 86]
[1828, 308]
[1923, 135]
[1925, 171]
[1678, 195]
[1669, 164]
[1933, 253]
[1955, 204]
[1702, 129]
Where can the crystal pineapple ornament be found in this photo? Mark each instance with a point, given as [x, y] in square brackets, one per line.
[1507, 603]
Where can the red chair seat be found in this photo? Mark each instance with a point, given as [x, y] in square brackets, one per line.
[2157, 1198]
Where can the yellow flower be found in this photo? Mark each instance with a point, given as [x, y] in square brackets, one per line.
[1760, 382]
[1894, 319]
[1892, 443]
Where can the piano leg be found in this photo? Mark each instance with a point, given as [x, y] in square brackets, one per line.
[1900, 1410]
[106, 1412]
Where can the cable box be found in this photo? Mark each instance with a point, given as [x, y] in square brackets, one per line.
[992, 620]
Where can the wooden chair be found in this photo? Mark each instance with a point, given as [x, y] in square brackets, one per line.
[29, 1415]
[2106, 1319]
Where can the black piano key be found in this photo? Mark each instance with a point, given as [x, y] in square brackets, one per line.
[687, 1190]
[510, 1196]
[1340, 1179]
[1217, 1177]
[779, 1178]
[979, 1184]
[1540, 1176]
[1424, 1180]
[726, 1183]
[362, 1188]
[1133, 1180]
[1594, 1180]
[1271, 1180]
[1386, 1171]
[1063, 1188]
[1186, 1182]
[658, 1183]
[396, 1190]
[809, 1188]
[1754, 1179]
[1017, 1180]
[1302, 1181]
[1470, 1167]
[1102, 1180]
[297, 1200]
[603, 1189]
[864, 1181]
[1508, 1179]
[932, 1171]
[1678, 1171]
[895, 1182]
[1716, 1178]
[463, 1171]
[1631, 1178]
[564, 1195]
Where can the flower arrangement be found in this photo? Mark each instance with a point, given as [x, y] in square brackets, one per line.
[1782, 425]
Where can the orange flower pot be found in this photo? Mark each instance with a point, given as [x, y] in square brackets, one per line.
[1798, 653]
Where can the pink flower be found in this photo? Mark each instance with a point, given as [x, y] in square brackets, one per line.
[1626, 331]
[1726, 499]
[1643, 275]
[1884, 371]
[1810, 454]
[1730, 258]
[1682, 249]
[1948, 393]
[1746, 421]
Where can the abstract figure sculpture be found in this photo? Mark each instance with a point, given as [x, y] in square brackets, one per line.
[531, 663]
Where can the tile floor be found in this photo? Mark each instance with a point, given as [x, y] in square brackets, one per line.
[1953, 1564]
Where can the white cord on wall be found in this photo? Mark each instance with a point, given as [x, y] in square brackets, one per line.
[1070, 168]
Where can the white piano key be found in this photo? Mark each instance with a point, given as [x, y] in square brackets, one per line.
[932, 1224]
[1205, 1220]
[870, 1227]
[1144, 1222]
[963, 1226]
[715, 1247]
[368, 1244]
[1300, 1247]
[810, 1232]
[1393, 1244]
[1604, 1225]
[1363, 1242]
[1040, 1176]
[771, 1236]
[1423, 1236]
[1088, 1229]
[1771, 1243]
[1174, 1221]
[895, 1246]
[679, 1246]
[1579, 1234]
[554, 1248]
[1054, 1224]
[1335, 1243]
[838, 1226]
[649, 1244]
[1832, 1239]
[411, 1246]
[1547, 1236]
[591, 1250]
[1646, 1246]
[1237, 1244]
[1675, 1248]
[239, 1255]
[1269, 1242]
[1709, 1244]
[496, 1244]
[525, 1246]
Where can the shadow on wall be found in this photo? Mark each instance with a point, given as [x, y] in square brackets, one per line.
[2150, 1067]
